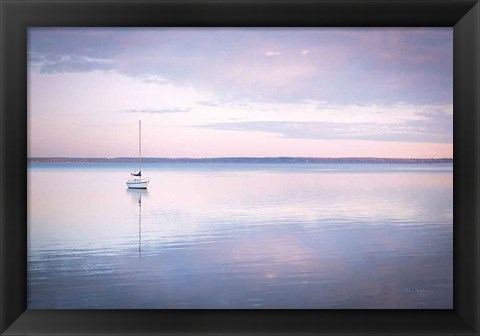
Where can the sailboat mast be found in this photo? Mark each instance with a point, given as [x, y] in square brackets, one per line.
[139, 145]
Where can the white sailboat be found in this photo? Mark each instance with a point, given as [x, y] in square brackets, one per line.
[137, 182]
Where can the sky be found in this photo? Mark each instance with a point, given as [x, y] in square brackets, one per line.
[240, 92]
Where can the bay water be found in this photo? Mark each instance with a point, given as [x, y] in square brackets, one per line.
[234, 235]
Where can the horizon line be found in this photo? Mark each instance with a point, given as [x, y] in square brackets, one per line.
[240, 157]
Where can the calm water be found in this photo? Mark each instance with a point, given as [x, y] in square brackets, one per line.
[241, 236]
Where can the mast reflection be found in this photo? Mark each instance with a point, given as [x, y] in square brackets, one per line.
[136, 195]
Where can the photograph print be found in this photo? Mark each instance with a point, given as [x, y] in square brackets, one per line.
[240, 168]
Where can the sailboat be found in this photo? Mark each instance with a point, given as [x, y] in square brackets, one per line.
[137, 182]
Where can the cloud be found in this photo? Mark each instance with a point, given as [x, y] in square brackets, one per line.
[434, 128]
[273, 53]
[152, 78]
[361, 65]
[163, 110]
[209, 103]
[70, 63]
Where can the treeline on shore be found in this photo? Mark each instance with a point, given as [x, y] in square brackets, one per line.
[238, 160]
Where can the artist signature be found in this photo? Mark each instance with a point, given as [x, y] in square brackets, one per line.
[419, 292]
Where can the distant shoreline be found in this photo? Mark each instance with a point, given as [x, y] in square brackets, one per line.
[67, 160]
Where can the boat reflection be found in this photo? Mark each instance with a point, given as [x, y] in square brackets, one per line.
[136, 196]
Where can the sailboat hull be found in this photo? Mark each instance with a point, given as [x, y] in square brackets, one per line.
[137, 184]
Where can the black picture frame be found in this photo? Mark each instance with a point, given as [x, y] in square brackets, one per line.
[17, 15]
